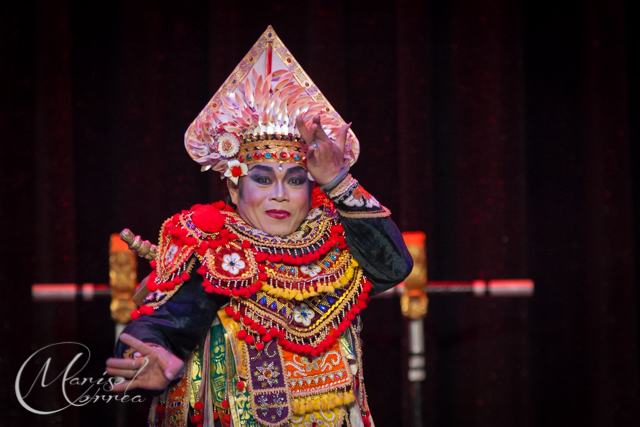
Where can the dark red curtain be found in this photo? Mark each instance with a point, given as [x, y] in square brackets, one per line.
[506, 130]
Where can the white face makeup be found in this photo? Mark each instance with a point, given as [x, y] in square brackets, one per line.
[273, 197]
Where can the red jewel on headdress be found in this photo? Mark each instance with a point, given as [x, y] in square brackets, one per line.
[284, 155]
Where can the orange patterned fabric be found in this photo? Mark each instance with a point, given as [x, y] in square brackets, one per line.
[308, 375]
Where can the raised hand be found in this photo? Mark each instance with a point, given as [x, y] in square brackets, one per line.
[325, 158]
[153, 371]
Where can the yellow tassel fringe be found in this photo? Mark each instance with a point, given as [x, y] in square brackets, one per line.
[323, 402]
[320, 288]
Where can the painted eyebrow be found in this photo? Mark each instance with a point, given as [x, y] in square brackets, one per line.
[262, 167]
[297, 169]
[291, 171]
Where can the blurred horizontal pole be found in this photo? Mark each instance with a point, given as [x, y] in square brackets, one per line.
[480, 288]
[68, 291]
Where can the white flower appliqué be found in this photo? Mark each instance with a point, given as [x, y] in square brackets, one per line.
[312, 270]
[303, 314]
[232, 263]
[171, 253]
[235, 170]
[314, 421]
[228, 145]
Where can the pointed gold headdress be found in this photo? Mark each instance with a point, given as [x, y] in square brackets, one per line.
[252, 117]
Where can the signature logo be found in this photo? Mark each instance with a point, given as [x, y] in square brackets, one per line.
[90, 390]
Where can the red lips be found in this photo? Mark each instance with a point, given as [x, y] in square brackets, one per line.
[278, 214]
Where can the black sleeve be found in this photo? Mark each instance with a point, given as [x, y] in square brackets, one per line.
[181, 323]
[379, 248]
[372, 237]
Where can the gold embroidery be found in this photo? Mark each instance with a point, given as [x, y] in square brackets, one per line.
[177, 407]
[321, 418]
[196, 374]
[313, 229]
[317, 332]
[346, 185]
[157, 299]
[253, 393]
[365, 214]
[130, 353]
[232, 327]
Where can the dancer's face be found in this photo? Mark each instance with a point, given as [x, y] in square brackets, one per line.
[273, 200]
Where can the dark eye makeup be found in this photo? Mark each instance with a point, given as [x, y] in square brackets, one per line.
[263, 175]
[260, 178]
[297, 180]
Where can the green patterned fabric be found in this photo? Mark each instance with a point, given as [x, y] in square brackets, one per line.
[217, 363]
[196, 375]
[240, 400]
[223, 372]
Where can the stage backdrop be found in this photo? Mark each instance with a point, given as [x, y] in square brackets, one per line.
[500, 128]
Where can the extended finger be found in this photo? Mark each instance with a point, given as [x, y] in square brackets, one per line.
[135, 344]
[174, 367]
[318, 131]
[134, 364]
[304, 132]
[312, 141]
[342, 136]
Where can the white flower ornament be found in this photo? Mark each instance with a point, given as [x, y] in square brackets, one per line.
[235, 170]
[232, 263]
[311, 271]
[228, 144]
[313, 421]
[303, 314]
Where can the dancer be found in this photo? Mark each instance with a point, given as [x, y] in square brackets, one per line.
[251, 316]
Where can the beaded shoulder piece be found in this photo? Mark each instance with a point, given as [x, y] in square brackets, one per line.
[308, 283]
[303, 289]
